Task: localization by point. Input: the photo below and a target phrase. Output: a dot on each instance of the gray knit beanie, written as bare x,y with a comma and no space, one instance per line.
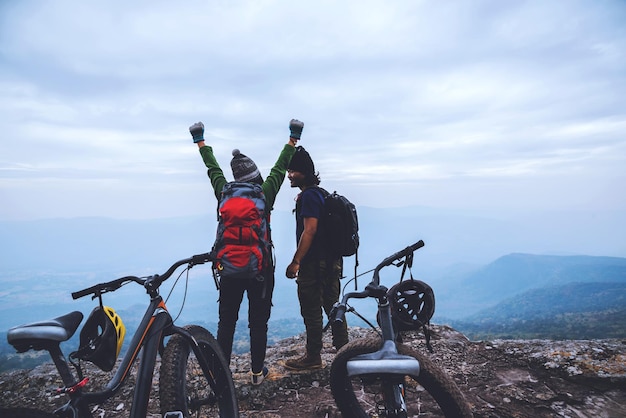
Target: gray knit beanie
244,169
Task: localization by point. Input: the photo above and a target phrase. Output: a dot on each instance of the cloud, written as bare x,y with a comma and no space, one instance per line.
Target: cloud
464,95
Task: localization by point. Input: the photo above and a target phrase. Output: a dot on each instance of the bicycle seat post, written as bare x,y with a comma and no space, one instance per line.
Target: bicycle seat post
61,364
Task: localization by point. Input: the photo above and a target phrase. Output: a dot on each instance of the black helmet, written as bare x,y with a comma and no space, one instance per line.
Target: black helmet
101,338
412,304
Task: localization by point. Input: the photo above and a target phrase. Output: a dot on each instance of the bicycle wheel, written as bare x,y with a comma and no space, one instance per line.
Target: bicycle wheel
182,385
432,393
23,413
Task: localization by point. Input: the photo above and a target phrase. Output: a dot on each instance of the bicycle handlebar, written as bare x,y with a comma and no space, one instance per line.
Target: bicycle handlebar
397,256
152,282
373,288
105,287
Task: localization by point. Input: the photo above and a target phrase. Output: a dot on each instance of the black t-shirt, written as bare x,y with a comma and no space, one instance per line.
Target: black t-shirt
310,204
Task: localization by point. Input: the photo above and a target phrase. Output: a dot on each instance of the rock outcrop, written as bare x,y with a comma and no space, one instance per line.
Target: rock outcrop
501,378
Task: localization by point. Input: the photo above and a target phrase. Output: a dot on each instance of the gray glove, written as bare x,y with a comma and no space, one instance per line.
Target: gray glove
197,132
295,126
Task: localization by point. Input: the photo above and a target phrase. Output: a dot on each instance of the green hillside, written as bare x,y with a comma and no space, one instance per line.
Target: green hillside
572,311
511,275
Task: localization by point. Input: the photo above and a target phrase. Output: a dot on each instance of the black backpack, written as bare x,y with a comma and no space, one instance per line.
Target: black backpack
340,225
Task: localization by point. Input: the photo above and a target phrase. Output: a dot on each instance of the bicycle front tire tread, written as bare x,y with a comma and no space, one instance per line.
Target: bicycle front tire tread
173,374
432,378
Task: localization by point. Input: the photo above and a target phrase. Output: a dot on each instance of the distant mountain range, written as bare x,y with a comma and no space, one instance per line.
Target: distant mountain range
530,296
482,281
512,275
583,298
454,239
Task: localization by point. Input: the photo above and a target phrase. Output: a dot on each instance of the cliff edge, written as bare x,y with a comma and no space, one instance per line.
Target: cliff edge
500,378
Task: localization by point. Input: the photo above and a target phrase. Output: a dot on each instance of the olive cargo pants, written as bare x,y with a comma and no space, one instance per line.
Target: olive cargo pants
319,288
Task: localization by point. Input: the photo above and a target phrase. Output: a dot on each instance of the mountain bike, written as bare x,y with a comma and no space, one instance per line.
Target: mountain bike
195,379
380,376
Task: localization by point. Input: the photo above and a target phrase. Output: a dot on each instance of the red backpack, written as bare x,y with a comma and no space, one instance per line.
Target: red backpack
242,245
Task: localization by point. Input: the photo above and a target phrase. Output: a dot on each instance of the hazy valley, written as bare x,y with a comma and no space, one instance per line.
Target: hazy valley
492,276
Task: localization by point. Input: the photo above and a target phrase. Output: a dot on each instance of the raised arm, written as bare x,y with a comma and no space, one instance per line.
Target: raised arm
216,175
274,180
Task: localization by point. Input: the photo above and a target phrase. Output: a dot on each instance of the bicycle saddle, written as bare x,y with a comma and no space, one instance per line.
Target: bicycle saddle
385,360
38,335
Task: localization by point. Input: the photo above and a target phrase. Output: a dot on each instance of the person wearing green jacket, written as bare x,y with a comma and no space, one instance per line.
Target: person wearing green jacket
259,293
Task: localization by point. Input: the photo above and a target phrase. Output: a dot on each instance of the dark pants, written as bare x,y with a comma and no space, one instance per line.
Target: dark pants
319,288
259,308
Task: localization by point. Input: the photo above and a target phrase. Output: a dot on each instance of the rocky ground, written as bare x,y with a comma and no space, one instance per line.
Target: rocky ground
502,378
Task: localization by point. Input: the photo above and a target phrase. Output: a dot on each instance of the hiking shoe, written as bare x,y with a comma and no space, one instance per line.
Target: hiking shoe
306,362
257,378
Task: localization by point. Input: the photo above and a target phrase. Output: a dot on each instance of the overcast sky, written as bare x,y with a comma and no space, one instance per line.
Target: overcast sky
458,104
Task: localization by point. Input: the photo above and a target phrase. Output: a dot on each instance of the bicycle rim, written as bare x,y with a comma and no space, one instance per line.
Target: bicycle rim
183,386
431,394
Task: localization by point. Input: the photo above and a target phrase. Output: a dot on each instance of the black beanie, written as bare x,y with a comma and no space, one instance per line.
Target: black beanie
302,162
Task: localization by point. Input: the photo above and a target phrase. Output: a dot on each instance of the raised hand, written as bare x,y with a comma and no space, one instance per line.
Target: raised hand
197,132
295,126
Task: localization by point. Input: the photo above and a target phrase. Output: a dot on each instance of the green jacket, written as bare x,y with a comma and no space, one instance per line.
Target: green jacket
270,186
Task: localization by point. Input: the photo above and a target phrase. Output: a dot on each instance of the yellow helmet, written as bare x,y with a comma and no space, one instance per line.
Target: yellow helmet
101,338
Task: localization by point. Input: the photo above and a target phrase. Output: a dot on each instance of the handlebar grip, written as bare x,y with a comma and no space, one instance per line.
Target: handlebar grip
201,258
402,253
79,294
340,315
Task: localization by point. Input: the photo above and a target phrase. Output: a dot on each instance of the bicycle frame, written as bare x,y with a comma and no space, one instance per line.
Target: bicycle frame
386,361
156,324
383,376
149,336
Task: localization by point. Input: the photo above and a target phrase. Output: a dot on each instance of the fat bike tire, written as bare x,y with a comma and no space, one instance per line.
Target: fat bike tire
24,413
183,386
432,393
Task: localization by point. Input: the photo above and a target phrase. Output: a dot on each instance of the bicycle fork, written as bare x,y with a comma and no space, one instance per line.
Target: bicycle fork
388,365
204,362
393,397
